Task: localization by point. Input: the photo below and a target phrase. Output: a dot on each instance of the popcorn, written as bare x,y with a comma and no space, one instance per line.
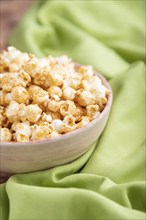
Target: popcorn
40,132
55,78
23,131
67,107
37,69
63,60
47,117
19,94
22,112
55,92
3,117
8,81
92,111
84,97
25,77
53,106
94,85
12,111
37,94
5,135
79,113
33,113
13,60
75,80
72,80
69,93
85,120
69,123
54,134
2,97
42,98
54,115
8,98
14,125
69,120
87,72
57,125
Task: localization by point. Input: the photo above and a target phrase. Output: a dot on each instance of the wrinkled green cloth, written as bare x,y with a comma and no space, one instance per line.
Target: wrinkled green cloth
108,182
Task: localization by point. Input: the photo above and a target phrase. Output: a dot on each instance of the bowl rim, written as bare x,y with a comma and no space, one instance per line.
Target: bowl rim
72,133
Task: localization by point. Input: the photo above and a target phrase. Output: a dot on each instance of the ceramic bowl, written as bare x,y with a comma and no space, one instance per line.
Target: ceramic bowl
19,157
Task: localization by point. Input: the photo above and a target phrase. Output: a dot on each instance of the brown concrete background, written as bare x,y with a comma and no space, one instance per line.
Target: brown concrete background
11,12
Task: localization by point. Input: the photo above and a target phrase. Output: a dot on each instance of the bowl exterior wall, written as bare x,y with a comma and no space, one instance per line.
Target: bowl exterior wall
49,154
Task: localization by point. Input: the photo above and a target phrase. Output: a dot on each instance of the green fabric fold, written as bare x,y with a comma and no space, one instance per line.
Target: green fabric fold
107,182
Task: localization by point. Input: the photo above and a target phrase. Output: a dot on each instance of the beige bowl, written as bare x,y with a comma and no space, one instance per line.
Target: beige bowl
39,155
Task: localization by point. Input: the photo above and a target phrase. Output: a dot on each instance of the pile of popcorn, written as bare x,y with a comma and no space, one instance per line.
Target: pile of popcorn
41,98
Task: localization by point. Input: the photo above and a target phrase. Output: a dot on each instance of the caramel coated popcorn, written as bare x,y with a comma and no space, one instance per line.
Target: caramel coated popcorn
43,98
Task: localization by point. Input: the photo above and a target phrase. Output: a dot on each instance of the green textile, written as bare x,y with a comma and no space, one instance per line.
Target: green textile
108,182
